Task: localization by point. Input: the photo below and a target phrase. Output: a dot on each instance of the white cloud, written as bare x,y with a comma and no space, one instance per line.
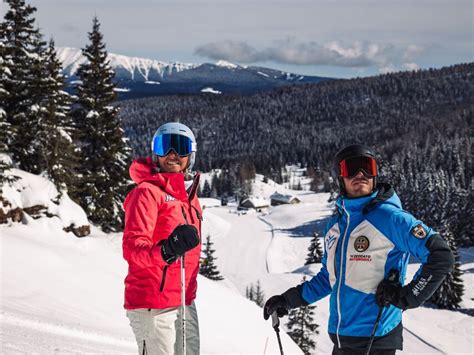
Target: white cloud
358,54
411,66
412,52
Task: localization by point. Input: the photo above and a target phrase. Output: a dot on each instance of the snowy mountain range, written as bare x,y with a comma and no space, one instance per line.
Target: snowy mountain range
138,77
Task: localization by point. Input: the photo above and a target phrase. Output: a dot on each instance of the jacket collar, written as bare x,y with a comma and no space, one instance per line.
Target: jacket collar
365,204
143,169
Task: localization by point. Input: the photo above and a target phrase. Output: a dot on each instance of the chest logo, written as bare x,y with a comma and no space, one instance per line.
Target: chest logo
361,244
169,198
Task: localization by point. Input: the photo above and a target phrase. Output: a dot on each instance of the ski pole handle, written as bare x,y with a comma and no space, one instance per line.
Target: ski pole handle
275,320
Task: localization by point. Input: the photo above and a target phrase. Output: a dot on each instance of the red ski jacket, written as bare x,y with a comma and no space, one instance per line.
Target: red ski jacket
156,206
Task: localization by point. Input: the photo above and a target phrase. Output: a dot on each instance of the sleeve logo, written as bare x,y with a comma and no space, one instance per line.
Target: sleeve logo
419,232
361,244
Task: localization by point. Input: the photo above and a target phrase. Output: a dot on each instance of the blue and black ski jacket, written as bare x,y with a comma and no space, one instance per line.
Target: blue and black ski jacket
363,242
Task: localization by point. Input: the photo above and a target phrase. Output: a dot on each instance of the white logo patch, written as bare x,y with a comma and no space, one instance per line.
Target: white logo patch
169,198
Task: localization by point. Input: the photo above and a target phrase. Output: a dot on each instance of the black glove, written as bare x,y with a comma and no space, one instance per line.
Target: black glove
390,291
275,304
183,238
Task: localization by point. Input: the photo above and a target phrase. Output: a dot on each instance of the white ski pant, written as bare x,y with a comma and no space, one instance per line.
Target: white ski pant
158,331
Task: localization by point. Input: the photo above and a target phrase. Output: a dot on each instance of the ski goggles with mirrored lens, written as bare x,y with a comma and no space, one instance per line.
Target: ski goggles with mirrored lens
164,143
351,166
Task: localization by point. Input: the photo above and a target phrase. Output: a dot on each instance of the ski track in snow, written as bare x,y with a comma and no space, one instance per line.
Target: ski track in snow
24,335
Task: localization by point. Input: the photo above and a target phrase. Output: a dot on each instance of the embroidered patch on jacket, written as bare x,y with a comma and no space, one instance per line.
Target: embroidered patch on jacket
419,232
169,198
330,242
361,243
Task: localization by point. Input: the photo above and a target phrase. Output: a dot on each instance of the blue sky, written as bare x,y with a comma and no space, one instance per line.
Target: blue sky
338,38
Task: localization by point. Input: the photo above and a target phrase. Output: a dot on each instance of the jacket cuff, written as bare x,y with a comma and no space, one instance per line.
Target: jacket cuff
160,255
293,297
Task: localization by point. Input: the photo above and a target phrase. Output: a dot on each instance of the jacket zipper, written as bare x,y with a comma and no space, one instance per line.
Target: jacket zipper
197,213
199,216
184,214
340,275
165,270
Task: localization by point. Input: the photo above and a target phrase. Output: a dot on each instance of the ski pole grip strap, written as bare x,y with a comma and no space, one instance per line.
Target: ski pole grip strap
293,297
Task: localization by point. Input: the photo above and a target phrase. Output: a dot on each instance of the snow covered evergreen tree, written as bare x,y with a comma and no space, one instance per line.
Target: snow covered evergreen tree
38,131
249,292
58,152
259,295
315,254
5,126
255,293
21,56
208,268
105,155
301,327
206,190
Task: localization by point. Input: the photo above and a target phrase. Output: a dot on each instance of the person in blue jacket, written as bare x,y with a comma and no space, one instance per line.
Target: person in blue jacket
367,246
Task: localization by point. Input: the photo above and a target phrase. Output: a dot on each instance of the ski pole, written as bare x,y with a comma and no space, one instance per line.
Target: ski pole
276,324
183,305
377,321
393,276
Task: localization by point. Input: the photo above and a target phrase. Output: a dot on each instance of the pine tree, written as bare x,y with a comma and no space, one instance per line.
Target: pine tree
206,190
315,254
259,295
56,146
5,126
105,155
255,293
301,327
208,268
38,133
22,55
449,294
249,292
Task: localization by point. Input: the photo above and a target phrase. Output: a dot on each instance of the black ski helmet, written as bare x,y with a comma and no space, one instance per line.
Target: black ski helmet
351,151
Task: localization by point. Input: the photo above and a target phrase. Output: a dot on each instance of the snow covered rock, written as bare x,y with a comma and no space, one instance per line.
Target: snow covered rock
30,196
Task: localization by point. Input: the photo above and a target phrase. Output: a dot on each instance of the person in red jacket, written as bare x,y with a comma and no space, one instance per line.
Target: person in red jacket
162,228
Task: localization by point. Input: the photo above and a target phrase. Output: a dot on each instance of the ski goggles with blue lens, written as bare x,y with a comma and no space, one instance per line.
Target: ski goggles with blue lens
164,143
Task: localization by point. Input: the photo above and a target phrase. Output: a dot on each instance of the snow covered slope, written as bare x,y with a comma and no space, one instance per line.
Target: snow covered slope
62,294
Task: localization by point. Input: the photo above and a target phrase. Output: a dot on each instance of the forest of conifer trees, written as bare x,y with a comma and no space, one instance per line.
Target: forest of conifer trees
420,124
76,141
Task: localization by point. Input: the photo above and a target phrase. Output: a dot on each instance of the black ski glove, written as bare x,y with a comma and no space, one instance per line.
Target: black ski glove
390,291
183,238
275,304
289,299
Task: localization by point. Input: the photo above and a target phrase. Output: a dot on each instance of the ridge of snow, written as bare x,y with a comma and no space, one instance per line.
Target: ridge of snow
226,64
134,68
211,91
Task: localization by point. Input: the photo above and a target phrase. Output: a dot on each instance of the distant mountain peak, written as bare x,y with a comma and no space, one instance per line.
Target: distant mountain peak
226,64
138,77
126,68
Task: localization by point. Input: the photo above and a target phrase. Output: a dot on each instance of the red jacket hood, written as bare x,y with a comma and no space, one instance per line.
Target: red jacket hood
142,170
